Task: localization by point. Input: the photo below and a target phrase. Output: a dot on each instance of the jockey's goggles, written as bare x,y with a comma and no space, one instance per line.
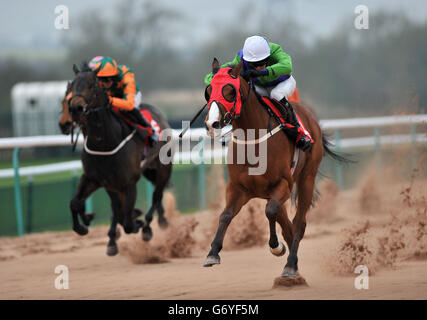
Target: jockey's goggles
106,79
258,63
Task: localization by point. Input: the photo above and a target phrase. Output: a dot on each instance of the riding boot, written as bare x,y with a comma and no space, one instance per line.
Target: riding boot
154,137
302,140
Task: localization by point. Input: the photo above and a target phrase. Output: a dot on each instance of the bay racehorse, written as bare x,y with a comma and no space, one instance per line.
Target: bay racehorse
113,158
231,99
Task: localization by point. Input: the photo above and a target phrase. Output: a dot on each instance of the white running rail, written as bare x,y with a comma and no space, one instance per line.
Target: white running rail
200,133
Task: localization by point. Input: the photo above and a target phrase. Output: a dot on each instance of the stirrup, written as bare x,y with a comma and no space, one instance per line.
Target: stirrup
304,143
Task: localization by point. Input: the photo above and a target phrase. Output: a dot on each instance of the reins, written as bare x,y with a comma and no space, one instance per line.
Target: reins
265,137
87,111
108,153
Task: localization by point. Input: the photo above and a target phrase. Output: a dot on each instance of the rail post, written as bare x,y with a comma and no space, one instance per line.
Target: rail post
202,176
338,167
377,134
413,146
30,205
89,204
18,197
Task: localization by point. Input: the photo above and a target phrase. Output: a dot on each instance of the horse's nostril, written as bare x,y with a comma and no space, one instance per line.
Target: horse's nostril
216,125
74,109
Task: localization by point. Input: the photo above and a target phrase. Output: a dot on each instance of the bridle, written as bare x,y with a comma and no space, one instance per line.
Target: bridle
86,110
230,115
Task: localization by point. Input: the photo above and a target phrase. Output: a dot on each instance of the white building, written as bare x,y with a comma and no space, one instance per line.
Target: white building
36,107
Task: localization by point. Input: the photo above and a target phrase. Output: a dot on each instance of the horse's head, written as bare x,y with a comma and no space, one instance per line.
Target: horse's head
223,96
86,94
66,122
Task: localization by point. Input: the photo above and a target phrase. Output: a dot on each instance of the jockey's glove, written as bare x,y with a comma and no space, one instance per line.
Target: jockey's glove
254,73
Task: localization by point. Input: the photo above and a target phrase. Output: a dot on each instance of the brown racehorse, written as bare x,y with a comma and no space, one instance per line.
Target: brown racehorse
275,185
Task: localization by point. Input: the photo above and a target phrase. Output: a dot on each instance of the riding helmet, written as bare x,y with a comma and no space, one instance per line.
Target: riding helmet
108,66
256,48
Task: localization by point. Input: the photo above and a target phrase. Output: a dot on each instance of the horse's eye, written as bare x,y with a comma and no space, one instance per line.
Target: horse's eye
229,93
208,92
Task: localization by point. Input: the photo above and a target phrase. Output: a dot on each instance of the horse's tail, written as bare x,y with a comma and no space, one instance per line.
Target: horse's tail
340,157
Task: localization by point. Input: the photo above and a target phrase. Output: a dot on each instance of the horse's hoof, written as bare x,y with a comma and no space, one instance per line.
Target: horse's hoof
163,223
279,250
289,272
88,218
211,260
81,230
112,250
289,282
147,233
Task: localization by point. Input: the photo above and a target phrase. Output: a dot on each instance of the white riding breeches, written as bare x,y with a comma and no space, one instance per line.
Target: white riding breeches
282,89
138,99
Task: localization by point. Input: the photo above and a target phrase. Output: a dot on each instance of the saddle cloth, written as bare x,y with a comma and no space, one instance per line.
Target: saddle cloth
149,117
272,107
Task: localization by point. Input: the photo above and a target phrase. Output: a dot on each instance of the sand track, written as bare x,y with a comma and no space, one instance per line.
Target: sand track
387,233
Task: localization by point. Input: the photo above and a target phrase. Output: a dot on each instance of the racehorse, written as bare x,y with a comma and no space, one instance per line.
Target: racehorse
113,158
65,122
236,102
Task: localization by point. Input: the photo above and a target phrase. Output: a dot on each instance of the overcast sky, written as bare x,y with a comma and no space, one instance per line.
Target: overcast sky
30,24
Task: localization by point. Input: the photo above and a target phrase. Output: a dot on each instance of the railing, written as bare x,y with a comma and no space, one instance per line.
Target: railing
199,134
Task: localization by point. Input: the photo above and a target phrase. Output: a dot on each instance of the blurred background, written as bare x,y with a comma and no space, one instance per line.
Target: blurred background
341,71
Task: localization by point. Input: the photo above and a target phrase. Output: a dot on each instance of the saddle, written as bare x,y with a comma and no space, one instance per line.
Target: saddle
273,107
143,131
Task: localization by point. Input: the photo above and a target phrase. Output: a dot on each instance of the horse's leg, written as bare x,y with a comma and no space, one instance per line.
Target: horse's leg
128,198
160,180
147,233
236,199
77,205
163,178
157,200
305,195
156,203
286,225
274,206
113,233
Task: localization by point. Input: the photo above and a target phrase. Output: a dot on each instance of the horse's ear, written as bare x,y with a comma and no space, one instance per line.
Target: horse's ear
236,70
215,65
75,69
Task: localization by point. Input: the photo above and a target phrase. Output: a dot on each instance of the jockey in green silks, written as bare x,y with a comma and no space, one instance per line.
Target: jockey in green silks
271,70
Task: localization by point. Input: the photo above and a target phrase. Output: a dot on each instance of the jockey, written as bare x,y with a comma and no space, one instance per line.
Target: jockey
271,70
122,89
